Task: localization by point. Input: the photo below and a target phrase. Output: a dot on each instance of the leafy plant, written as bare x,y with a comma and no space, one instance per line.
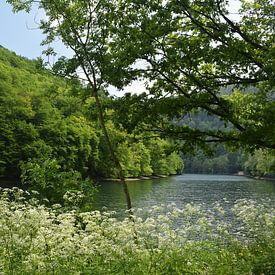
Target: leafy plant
55,186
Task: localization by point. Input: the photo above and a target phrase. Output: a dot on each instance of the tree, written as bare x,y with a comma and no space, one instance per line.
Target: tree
261,163
83,26
40,118
197,57
194,57
45,118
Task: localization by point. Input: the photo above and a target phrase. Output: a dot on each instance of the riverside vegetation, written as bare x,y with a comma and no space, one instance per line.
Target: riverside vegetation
50,135
35,239
56,131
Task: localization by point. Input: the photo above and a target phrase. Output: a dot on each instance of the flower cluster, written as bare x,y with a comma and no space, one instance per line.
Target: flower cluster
164,240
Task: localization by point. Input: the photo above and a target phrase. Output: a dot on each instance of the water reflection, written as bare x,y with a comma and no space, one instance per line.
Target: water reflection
183,189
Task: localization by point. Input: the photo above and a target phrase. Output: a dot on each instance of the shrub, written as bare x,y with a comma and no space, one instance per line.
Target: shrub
167,240
51,183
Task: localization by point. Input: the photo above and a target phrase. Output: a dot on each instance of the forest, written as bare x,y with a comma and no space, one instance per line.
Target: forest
49,125
46,118
208,108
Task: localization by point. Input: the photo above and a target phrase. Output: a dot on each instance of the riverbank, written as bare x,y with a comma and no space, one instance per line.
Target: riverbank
262,178
241,173
134,178
9,183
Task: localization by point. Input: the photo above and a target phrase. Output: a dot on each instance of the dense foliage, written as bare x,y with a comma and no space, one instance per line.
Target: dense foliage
190,240
261,163
196,59
188,52
191,53
222,162
45,119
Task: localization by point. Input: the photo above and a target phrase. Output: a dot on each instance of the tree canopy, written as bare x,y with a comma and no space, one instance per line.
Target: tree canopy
194,56
198,57
50,135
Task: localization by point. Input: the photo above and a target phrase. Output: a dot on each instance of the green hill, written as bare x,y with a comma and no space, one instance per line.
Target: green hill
44,117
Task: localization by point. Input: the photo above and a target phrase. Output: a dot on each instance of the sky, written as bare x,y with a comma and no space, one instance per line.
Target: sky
19,32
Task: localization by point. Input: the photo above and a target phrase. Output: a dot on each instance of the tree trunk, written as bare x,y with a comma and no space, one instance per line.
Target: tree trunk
112,152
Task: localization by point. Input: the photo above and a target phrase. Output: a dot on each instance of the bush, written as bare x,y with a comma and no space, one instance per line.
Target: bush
39,240
51,183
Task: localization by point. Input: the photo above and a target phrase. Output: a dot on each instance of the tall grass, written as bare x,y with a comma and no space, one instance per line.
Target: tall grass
164,240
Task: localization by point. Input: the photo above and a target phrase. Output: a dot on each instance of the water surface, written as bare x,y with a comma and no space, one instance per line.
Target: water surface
184,189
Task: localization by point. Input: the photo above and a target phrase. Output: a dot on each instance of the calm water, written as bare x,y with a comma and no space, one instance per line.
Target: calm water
184,189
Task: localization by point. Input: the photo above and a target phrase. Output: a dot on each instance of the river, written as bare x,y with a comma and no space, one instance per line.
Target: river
187,188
